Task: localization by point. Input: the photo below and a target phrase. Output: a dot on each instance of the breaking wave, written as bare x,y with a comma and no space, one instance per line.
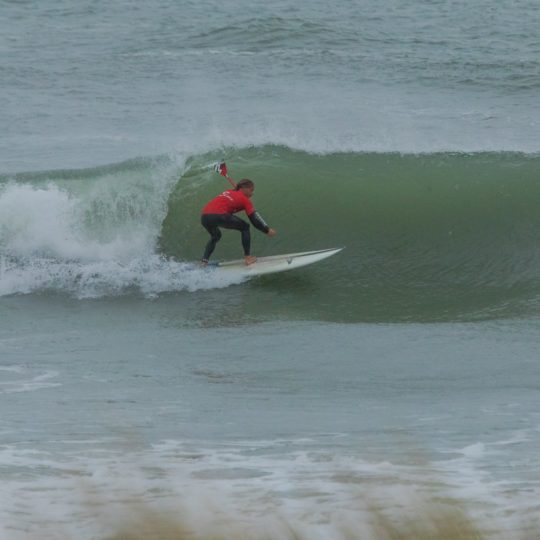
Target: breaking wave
428,236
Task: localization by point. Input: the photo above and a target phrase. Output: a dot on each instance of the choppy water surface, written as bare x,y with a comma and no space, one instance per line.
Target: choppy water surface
388,392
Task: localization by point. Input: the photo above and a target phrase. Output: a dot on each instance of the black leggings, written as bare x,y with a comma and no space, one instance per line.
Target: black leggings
212,222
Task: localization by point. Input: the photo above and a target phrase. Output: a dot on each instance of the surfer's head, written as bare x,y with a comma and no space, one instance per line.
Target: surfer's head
246,186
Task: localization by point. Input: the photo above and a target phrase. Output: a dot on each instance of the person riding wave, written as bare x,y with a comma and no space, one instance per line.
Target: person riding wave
219,212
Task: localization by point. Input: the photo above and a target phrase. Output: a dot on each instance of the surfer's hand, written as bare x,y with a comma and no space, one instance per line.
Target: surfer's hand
271,232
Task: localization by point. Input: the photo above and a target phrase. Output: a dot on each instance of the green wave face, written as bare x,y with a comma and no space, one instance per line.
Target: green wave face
427,237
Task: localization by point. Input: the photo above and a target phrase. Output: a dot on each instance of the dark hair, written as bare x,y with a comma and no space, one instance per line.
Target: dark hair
245,182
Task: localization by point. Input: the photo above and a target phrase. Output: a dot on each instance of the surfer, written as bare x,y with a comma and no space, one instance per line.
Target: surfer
219,212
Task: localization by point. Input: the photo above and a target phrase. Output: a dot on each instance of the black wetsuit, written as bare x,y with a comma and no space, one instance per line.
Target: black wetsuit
212,222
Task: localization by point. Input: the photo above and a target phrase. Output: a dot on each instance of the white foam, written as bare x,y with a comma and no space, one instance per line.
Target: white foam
37,220
476,450
319,493
36,382
50,222
149,275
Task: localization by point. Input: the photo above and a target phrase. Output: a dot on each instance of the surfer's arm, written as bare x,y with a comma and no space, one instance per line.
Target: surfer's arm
258,222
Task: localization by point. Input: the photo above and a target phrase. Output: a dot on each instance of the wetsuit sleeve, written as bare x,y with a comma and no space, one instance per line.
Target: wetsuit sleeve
258,222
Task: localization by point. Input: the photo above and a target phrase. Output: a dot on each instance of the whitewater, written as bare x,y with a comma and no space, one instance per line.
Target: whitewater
388,392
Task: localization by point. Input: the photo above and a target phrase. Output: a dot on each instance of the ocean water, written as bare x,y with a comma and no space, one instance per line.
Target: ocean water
390,392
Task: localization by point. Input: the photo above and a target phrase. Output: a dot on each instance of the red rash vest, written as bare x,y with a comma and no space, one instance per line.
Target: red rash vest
229,202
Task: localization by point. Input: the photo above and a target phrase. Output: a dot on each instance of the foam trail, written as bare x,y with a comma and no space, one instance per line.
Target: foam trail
150,276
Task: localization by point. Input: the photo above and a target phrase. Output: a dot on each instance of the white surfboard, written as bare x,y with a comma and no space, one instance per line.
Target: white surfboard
274,263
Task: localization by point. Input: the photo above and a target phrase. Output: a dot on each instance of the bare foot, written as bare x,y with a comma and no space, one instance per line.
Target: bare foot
249,259
204,263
